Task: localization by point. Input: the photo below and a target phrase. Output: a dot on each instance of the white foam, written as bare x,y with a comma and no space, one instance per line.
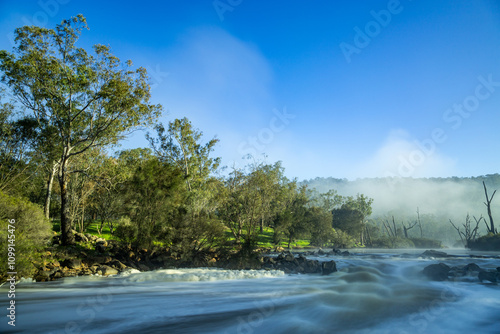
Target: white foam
200,274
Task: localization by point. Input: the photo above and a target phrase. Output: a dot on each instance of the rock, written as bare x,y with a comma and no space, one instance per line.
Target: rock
498,269
289,257
336,251
437,272
42,276
433,253
345,253
81,237
72,263
100,245
57,274
492,276
321,252
279,249
101,259
311,267
328,267
107,270
117,265
143,267
472,267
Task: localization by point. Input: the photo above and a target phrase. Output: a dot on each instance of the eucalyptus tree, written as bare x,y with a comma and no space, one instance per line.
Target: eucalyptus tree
91,100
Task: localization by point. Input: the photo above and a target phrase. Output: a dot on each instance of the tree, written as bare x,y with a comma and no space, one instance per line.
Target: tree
292,221
491,228
153,198
90,100
347,219
362,205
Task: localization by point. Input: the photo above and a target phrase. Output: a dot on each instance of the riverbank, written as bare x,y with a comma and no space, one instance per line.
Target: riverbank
94,256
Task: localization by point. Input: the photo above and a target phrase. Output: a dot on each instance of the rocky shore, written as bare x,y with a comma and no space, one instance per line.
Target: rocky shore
96,256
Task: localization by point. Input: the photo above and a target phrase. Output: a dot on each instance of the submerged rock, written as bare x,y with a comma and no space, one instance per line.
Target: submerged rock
492,276
434,253
328,267
437,272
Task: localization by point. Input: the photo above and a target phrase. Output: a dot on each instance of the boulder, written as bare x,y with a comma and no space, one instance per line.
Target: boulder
437,272
472,267
107,270
100,245
72,263
311,267
143,267
321,252
117,265
434,253
81,237
328,267
492,276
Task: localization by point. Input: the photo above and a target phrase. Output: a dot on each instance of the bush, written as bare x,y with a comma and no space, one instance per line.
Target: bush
341,239
32,232
126,231
489,242
393,242
426,243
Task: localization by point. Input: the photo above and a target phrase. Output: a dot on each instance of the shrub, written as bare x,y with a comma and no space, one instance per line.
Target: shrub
489,242
126,231
32,232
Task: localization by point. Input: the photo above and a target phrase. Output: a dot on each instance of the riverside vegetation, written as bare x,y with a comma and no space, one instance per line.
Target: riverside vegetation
62,110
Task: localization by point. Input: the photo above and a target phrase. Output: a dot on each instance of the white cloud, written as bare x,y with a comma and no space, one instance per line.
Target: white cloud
401,155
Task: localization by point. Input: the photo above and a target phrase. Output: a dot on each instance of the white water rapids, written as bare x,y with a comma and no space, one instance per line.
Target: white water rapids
373,292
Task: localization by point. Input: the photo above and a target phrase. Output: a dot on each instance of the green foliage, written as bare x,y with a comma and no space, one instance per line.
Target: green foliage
348,220
426,243
126,231
91,100
340,239
32,232
489,242
153,199
320,226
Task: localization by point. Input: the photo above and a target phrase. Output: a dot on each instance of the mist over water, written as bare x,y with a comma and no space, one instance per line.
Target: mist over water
373,292
439,199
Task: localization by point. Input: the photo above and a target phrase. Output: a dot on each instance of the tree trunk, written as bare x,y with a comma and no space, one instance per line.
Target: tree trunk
50,182
491,229
262,225
67,237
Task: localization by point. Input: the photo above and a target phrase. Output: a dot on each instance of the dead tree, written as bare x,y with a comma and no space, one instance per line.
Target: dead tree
419,223
388,228
491,228
406,229
469,234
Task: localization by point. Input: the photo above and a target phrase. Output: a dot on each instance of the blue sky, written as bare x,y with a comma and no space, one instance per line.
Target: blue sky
331,88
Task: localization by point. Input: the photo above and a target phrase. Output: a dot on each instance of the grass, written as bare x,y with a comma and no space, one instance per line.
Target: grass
264,240
92,229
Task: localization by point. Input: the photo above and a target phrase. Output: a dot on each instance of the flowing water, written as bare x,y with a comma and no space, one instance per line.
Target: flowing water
373,292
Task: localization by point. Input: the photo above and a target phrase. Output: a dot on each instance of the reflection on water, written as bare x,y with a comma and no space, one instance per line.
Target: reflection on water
374,292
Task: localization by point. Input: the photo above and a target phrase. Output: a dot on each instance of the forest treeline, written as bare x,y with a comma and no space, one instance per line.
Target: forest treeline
63,111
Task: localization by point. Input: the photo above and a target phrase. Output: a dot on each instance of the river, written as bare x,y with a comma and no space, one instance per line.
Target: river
374,291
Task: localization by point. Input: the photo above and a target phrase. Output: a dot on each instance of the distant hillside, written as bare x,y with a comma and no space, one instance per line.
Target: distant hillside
451,197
